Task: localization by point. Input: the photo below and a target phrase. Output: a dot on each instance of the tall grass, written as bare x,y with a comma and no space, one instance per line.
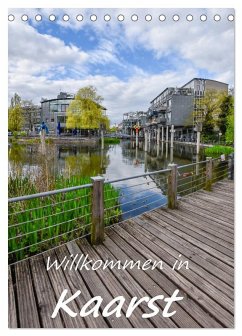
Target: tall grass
111,141
218,150
41,223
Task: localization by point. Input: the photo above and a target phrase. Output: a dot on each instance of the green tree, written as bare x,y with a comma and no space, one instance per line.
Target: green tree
15,118
229,135
89,93
227,109
208,109
85,110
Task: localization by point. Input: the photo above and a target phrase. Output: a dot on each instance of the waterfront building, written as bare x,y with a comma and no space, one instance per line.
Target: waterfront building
173,106
54,114
132,119
53,111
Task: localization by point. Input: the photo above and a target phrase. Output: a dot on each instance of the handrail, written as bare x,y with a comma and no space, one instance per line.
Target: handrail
48,193
137,176
89,185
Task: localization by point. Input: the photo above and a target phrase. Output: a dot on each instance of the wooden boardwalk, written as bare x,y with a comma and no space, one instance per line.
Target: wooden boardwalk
201,230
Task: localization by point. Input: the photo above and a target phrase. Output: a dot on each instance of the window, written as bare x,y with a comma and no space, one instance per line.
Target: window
64,107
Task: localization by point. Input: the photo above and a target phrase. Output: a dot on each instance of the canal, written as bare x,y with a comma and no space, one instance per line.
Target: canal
113,162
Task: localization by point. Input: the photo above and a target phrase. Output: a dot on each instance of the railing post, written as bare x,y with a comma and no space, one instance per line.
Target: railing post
172,186
231,167
209,173
97,202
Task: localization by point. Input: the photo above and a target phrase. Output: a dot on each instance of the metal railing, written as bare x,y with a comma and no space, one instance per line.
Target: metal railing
42,221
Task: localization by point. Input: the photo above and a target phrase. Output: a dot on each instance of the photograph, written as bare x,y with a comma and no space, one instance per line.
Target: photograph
121,153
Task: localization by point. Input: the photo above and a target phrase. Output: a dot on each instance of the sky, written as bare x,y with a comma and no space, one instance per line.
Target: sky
128,62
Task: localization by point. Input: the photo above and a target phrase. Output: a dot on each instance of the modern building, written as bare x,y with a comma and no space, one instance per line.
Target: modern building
199,86
53,111
54,114
174,106
131,119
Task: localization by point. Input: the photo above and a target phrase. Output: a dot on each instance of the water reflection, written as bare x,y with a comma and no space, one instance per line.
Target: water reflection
114,161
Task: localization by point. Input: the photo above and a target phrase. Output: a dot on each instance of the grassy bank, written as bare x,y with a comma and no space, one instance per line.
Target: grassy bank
46,222
111,141
218,150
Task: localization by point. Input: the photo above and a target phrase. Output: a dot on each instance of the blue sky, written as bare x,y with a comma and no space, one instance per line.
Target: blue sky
129,63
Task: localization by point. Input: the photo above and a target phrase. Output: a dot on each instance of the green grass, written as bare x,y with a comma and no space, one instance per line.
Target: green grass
48,217
111,141
218,150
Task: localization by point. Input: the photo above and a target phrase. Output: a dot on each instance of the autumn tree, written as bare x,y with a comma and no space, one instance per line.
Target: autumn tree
85,111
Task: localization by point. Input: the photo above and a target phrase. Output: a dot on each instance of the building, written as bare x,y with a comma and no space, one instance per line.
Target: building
54,114
53,111
132,119
199,86
174,106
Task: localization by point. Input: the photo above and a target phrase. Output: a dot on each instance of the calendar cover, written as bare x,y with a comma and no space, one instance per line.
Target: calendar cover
121,168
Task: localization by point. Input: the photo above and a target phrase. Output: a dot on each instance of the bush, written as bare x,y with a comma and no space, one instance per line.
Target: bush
111,141
218,150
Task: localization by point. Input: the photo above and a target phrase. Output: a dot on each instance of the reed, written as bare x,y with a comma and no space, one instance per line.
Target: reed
38,224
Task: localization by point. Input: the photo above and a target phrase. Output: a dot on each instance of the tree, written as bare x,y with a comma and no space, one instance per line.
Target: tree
229,135
209,109
227,109
15,118
85,110
30,112
15,100
89,93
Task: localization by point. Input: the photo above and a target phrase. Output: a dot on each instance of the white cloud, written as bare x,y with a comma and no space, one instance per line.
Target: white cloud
35,59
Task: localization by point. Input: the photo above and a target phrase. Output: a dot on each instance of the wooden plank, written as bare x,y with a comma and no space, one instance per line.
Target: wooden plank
191,242
193,238
155,283
45,298
193,233
188,304
198,265
74,280
12,311
198,226
59,283
220,209
216,310
128,278
168,257
228,195
228,190
184,204
97,288
217,208
114,287
216,197
27,307
221,231
204,213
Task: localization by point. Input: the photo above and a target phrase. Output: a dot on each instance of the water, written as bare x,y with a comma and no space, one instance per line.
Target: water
113,162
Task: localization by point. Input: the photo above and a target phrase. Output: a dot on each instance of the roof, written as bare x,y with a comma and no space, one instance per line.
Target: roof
206,79
170,87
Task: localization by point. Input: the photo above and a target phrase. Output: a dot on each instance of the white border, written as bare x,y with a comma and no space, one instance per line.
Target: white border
3,154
